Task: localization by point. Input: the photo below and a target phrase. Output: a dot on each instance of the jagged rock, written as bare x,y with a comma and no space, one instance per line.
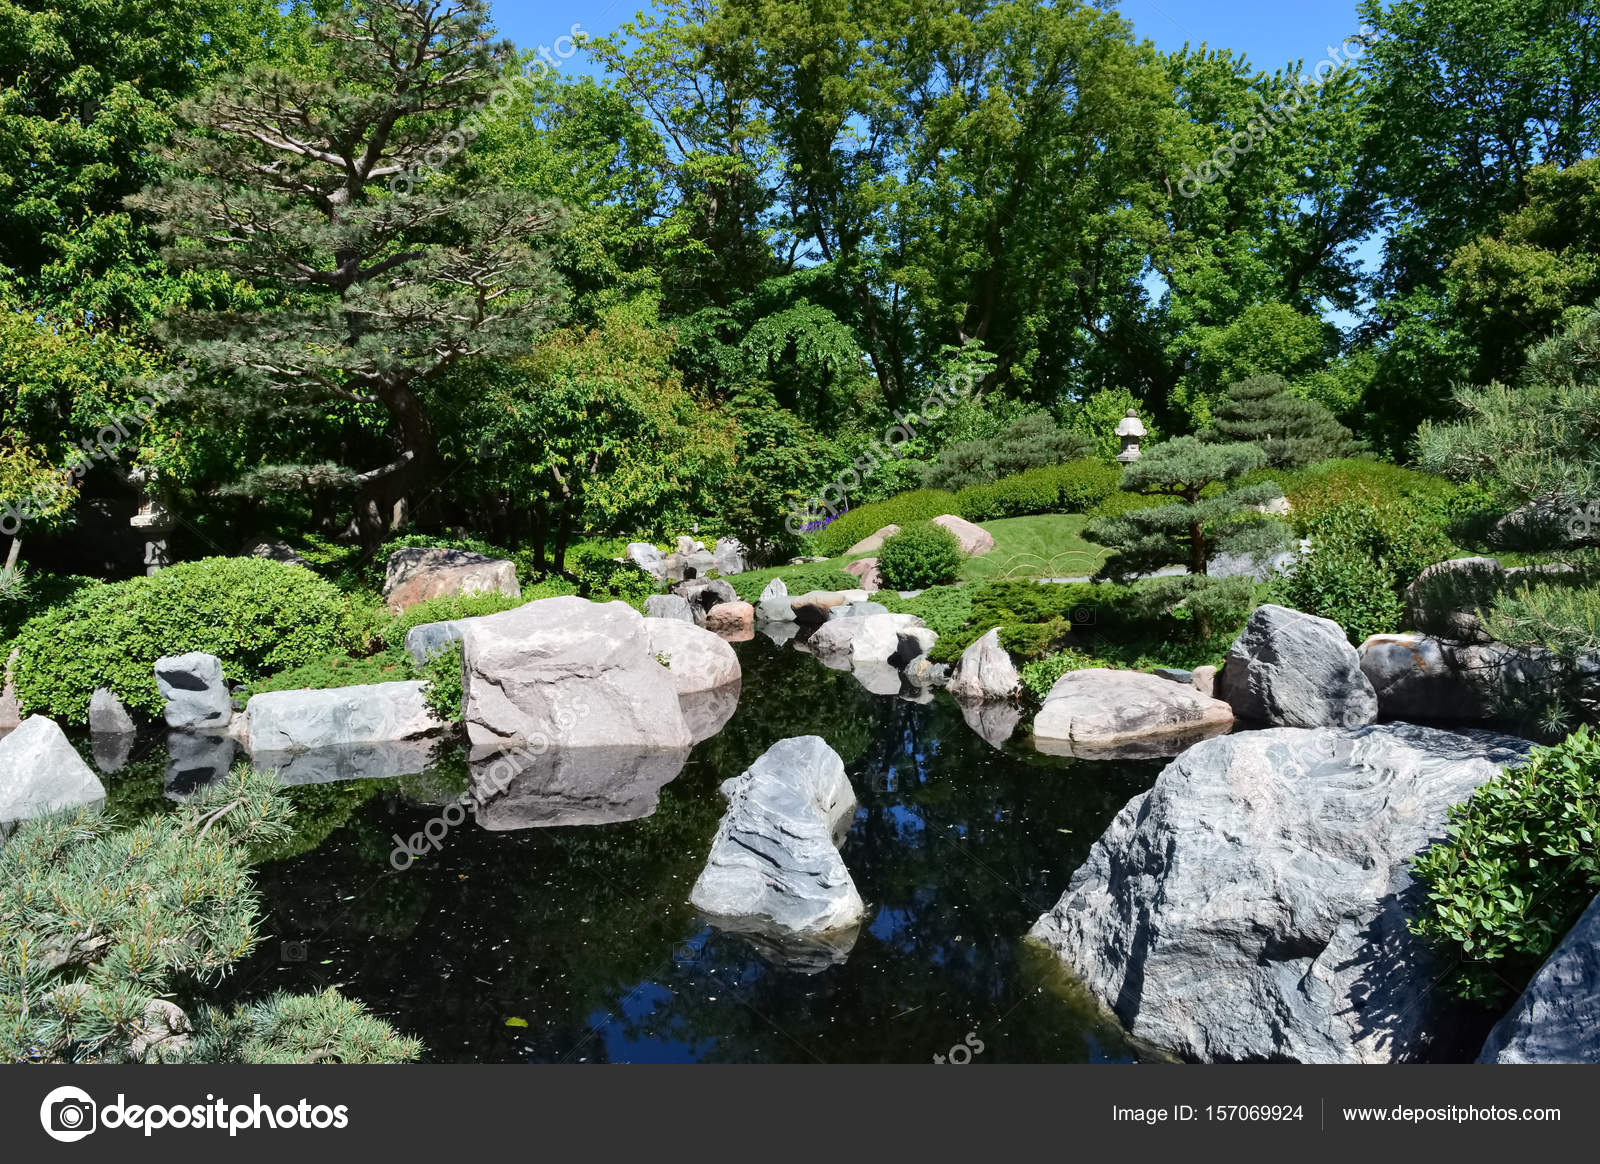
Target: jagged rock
866,569
873,542
774,862
1102,714
857,610
337,717
1175,675
567,672
984,672
1445,598
41,773
570,786
107,715
1557,1019
702,594
728,556
673,606
775,589
1416,677
416,574
278,552
696,657
994,721
197,698
1205,681
974,539
733,620
774,605
1292,669
649,559
428,638
1254,904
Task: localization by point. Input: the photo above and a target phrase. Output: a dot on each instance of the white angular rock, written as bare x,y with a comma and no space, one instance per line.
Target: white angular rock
649,559
567,672
775,860
985,672
369,713
40,773
668,606
728,556
107,715
1254,904
1103,714
698,659
196,697
1292,669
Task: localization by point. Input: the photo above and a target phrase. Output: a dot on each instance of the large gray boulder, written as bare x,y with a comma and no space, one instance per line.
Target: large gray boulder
1291,669
41,773
1419,678
649,559
775,862
1557,1019
417,574
1254,904
985,672
337,717
673,606
567,672
698,659
1097,713
197,698
429,638
108,716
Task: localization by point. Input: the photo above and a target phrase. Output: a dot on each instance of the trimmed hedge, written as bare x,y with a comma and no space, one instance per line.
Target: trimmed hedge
1075,487
907,509
919,556
799,579
257,616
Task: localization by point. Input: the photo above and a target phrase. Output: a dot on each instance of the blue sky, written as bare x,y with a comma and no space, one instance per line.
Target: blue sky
1270,32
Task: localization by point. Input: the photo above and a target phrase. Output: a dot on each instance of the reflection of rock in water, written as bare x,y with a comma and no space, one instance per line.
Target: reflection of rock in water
803,954
780,632
570,786
1149,748
878,678
375,761
112,751
707,712
194,760
995,722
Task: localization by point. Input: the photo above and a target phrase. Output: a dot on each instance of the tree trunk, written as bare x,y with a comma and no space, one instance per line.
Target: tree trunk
1197,548
12,554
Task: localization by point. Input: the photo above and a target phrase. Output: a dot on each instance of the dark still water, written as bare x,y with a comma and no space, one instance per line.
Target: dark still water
577,944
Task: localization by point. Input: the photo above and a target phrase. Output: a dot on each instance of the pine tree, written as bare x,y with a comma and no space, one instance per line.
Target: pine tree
320,184
1191,528
1290,429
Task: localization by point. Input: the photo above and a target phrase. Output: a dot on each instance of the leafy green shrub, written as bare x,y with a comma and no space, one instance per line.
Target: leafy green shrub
1040,675
799,579
1071,488
337,671
447,608
1345,584
920,555
1375,484
258,616
1404,539
908,508
97,921
445,690
603,579
944,609
1519,866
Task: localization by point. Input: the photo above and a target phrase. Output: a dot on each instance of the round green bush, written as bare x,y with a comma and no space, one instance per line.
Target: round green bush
257,616
1343,583
919,556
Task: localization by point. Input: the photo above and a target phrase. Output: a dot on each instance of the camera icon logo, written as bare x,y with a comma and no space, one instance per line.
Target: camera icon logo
68,1114
292,951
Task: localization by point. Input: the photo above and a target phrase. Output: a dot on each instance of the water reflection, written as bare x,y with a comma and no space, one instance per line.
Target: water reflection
570,786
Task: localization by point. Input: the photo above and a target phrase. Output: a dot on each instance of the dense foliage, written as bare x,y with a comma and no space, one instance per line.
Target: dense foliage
1518,867
1291,430
1071,488
919,556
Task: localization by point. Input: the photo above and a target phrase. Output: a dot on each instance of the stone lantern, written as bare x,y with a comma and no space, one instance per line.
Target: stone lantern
153,519
1129,430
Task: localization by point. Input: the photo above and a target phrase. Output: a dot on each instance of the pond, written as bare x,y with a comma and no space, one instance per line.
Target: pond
577,943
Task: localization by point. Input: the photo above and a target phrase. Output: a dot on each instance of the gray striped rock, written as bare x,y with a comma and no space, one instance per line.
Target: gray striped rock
1291,669
1557,1019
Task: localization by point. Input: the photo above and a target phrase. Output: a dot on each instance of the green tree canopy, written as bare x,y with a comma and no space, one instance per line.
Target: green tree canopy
1291,430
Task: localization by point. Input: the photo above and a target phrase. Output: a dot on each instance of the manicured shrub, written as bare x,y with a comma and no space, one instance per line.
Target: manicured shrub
799,579
920,555
1519,866
1317,488
258,616
849,528
1118,503
1346,584
603,580
945,609
1029,442
1071,488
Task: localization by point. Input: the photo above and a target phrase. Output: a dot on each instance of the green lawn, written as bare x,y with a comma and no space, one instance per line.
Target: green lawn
1049,545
